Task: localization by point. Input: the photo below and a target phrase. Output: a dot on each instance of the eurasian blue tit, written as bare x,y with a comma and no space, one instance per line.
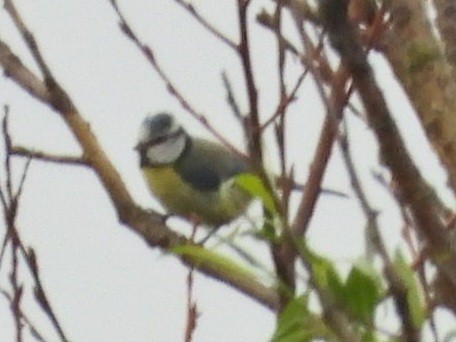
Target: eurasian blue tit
190,176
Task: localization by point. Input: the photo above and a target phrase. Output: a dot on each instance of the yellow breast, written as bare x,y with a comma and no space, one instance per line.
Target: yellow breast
182,199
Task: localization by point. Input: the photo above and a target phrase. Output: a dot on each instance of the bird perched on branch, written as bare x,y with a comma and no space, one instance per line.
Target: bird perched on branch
191,177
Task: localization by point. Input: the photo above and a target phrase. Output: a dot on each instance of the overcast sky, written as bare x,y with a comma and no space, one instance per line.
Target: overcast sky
104,283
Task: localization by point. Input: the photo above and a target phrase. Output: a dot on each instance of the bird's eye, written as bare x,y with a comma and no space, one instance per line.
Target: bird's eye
159,140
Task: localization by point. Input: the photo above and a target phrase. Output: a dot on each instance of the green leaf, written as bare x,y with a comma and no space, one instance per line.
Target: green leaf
289,321
414,300
324,273
202,256
297,324
358,295
255,187
362,293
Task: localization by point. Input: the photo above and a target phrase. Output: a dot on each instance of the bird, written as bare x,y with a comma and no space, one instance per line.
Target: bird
190,176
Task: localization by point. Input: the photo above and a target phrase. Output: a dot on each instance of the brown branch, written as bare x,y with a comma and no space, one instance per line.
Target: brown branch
28,37
47,157
39,292
286,100
15,284
231,98
425,73
12,198
192,311
284,270
253,124
16,70
148,225
335,105
415,192
33,329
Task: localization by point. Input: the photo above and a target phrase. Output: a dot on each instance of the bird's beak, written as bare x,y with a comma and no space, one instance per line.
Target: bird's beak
138,147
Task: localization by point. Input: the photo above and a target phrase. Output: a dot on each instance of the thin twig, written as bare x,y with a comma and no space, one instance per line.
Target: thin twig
31,42
208,26
7,162
231,98
17,287
40,294
48,157
33,329
12,199
286,100
192,311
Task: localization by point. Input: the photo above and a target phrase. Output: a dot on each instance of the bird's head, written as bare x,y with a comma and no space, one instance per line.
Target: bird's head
161,140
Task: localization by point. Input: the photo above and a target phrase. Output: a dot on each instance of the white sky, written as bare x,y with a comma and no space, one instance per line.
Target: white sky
104,283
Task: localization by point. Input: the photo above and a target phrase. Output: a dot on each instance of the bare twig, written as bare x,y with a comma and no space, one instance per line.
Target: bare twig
208,26
32,45
12,198
47,157
231,98
308,201
286,100
253,123
15,284
192,311
7,140
33,329
40,294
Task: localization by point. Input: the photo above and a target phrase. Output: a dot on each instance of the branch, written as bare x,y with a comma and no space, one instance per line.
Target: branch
11,198
253,124
33,330
425,73
230,97
415,192
148,225
285,101
47,157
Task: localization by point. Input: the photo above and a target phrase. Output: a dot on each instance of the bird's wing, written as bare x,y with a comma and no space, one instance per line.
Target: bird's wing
206,165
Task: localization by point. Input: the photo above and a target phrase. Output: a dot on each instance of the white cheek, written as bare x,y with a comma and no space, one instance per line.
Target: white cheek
143,134
166,152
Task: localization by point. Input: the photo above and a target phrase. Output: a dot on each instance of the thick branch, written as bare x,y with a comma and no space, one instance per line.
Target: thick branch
415,193
413,51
